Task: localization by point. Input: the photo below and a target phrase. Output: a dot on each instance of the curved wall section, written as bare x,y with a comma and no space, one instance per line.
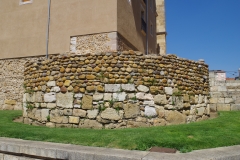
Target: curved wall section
115,90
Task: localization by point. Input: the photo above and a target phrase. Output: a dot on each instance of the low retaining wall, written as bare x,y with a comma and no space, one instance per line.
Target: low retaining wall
115,90
225,95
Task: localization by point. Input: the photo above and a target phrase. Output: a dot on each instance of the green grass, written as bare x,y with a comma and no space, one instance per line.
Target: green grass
222,131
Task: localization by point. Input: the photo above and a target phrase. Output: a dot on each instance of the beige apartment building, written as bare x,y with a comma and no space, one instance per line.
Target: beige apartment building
32,29
40,27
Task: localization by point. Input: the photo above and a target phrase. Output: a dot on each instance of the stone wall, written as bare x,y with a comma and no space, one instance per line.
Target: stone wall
225,95
11,82
104,42
161,26
115,90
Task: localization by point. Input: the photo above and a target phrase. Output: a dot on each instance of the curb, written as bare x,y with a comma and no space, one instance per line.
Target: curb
28,150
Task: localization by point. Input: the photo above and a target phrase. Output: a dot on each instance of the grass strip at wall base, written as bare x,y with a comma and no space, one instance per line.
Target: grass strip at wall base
218,132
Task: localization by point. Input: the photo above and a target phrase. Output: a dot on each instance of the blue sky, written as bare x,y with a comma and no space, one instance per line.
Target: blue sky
205,29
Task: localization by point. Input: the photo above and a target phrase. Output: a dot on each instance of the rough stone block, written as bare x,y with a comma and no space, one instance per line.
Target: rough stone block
30,97
44,114
79,113
55,89
110,114
185,98
7,107
51,105
200,99
98,97
213,100
50,97
213,107
223,107
228,100
50,125
37,115
112,88
159,122
74,120
79,95
175,117
87,123
87,102
67,112
65,100
51,83
10,102
168,90
119,96
222,88
91,114
57,116
177,102
133,124
107,96
160,99
150,111
149,103
220,100
131,110
235,107
142,88
128,87
38,97
200,111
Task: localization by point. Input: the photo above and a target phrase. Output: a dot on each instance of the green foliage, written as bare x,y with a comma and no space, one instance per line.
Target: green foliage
134,98
118,109
130,81
186,137
111,102
28,90
101,108
48,118
101,76
29,105
152,81
179,93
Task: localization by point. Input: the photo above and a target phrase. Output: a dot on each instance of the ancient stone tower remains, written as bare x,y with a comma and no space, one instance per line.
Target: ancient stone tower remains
96,86
161,26
115,90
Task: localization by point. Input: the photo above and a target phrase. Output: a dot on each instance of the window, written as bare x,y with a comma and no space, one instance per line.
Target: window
25,2
143,22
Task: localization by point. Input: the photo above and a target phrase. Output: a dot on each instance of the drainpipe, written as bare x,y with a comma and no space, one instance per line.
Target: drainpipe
48,24
147,27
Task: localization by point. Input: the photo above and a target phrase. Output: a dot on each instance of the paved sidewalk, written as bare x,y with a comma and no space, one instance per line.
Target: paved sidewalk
75,152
